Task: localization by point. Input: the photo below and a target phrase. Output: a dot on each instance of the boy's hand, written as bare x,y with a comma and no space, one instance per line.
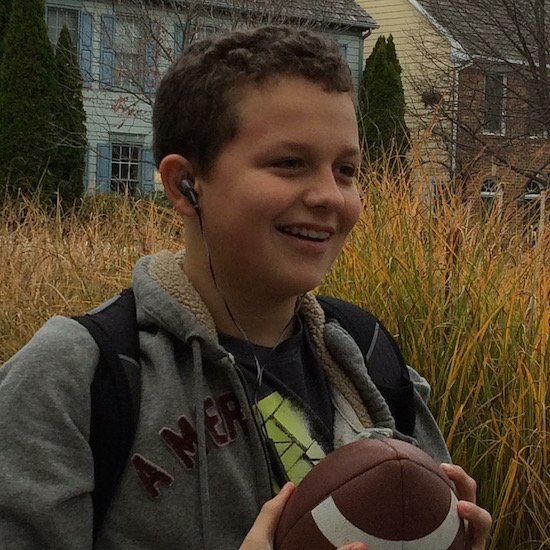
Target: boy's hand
478,521
260,536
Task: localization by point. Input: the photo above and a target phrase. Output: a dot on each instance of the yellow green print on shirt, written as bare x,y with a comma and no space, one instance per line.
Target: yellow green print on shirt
288,430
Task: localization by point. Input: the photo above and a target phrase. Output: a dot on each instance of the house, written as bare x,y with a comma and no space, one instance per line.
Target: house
474,73
426,87
125,46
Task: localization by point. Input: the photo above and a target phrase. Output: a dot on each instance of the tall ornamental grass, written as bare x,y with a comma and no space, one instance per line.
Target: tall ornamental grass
467,301
68,262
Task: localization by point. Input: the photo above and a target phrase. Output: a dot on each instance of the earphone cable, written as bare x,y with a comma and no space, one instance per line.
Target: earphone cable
259,367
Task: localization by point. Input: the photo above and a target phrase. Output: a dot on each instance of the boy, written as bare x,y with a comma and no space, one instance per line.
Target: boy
255,138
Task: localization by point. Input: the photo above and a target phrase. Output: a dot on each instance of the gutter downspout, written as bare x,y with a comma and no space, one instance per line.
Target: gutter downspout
454,132
458,54
459,62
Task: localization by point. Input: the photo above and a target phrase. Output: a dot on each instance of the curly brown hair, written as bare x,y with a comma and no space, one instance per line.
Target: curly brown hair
195,112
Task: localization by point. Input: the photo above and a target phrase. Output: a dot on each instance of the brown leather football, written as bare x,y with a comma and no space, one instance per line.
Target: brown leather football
383,492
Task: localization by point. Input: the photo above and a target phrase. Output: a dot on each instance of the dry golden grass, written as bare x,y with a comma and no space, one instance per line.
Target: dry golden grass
69,262
468,305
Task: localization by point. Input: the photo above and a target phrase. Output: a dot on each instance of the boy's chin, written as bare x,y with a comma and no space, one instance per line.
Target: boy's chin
304,286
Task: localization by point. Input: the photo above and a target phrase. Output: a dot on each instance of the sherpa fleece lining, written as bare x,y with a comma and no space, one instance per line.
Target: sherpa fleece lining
166,268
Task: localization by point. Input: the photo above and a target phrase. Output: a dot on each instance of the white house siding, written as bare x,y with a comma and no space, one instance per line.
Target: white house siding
120,116
352,45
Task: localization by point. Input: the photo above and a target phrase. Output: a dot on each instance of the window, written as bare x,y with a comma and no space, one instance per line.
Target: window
343,49
202,30
124,37
129,46
56,18
535,110
491,197
127,54
494,103
208,30
532,201
79,24
125,166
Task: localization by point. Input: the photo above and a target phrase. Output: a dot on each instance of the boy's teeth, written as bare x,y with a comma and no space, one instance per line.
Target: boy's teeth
307,233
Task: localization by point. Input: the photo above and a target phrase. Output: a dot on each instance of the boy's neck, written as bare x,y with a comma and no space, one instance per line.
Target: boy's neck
261,328
266,320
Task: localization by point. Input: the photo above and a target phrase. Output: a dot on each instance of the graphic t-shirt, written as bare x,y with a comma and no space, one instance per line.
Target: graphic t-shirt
292,397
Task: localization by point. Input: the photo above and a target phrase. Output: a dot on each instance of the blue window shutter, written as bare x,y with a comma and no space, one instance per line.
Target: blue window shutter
107,66
148,171
179,40
103,175
85,48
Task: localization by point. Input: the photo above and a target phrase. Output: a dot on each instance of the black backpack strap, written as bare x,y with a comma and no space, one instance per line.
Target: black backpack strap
115,395
385,362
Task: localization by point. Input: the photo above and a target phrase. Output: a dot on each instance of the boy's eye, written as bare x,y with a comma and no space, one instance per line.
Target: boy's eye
348,170
288,163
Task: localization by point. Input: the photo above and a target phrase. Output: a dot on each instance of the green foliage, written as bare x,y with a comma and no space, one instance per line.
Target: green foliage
28,99
5,7
68,163
382,125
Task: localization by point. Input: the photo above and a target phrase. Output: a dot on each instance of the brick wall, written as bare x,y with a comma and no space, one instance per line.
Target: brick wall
505,158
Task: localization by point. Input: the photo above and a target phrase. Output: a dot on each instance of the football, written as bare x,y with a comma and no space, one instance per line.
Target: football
386,493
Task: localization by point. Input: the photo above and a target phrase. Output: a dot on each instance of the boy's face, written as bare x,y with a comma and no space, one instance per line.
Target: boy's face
281,197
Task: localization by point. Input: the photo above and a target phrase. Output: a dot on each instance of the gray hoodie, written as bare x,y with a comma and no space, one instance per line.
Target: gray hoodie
193,481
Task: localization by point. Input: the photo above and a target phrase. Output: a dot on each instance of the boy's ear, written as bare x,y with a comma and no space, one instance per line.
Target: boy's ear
173,169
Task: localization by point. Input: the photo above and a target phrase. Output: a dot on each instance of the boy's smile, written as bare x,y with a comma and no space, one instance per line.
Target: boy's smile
281,197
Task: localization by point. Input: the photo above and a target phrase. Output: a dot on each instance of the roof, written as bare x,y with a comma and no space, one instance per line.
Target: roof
487,28
341,13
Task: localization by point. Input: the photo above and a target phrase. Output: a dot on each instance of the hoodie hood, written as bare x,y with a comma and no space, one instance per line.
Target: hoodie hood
162,288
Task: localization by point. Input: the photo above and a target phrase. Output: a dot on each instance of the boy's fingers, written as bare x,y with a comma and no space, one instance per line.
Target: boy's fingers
263,530
466,486
479,524
271,511
478,521
354,546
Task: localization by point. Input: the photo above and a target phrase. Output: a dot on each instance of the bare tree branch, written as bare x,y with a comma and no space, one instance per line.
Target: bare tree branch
508,39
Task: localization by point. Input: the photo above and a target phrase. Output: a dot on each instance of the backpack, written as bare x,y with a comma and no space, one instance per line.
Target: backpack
116,386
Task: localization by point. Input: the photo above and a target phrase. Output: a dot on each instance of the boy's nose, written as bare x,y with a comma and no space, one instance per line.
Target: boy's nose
324,191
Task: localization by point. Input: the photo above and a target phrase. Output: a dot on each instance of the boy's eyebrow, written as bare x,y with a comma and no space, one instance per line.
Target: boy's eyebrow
300,147
352,152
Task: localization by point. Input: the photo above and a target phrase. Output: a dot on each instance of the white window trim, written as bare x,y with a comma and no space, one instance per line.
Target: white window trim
541,197
542,135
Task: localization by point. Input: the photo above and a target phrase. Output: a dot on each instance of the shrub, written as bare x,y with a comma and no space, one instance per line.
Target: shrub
382,127
68,163
28,101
